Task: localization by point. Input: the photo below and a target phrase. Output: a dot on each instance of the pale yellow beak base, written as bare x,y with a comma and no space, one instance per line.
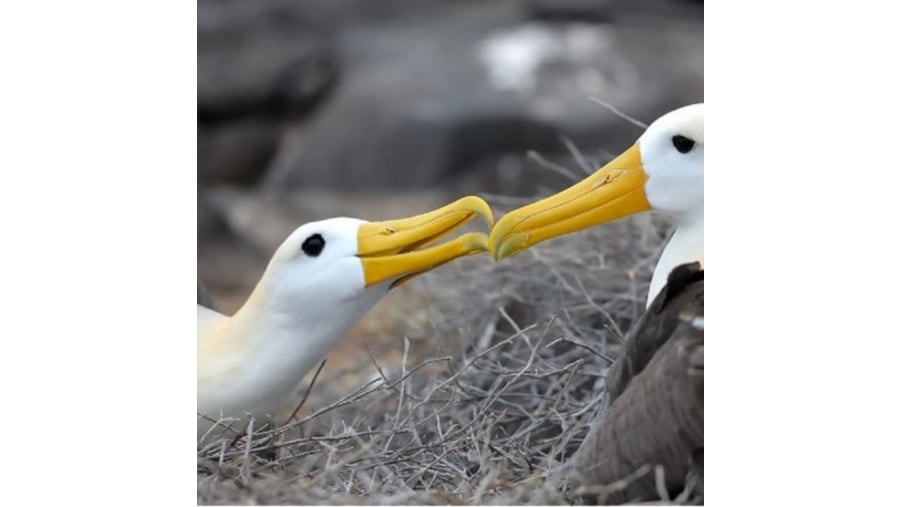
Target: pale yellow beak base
394,248
616,190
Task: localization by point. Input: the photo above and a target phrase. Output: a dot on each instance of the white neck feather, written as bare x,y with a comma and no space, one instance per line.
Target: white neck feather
685,246
253,361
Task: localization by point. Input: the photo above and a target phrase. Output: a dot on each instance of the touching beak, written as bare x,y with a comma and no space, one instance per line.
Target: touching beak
614,191
394,248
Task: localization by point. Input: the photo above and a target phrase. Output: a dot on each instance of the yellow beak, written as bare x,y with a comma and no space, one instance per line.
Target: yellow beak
614,191
394,248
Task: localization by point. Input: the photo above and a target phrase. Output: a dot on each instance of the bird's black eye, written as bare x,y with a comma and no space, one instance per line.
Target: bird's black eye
682,144
313,245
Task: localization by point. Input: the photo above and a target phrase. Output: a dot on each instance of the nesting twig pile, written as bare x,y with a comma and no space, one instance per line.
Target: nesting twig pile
493,420
492,425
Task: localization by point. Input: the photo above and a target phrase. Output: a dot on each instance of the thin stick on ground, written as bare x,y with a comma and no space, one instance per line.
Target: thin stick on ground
308,389
618,113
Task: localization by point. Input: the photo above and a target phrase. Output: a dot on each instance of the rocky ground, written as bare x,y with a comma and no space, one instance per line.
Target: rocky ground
381,109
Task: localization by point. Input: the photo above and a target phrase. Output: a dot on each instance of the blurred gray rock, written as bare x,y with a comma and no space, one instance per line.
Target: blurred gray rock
237,151
421,102
260,58
231,264
615,10
572,10
259,63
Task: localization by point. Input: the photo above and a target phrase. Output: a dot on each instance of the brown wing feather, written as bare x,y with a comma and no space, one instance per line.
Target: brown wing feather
655,326
656,394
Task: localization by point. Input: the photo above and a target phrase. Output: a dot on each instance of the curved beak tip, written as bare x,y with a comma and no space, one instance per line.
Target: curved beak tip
478,206
477,242
502,242
402,252
505,243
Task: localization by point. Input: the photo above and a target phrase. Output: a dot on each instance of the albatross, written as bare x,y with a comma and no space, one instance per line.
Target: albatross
655,388
320,281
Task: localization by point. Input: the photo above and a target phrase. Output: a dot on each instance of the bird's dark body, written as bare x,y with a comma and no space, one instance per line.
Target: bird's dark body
655,414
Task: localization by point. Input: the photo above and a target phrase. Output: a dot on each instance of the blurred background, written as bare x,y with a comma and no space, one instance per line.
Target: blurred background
378,109
309,109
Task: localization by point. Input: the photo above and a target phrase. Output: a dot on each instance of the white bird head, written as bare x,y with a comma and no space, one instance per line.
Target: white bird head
671,155
662,171
335,262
